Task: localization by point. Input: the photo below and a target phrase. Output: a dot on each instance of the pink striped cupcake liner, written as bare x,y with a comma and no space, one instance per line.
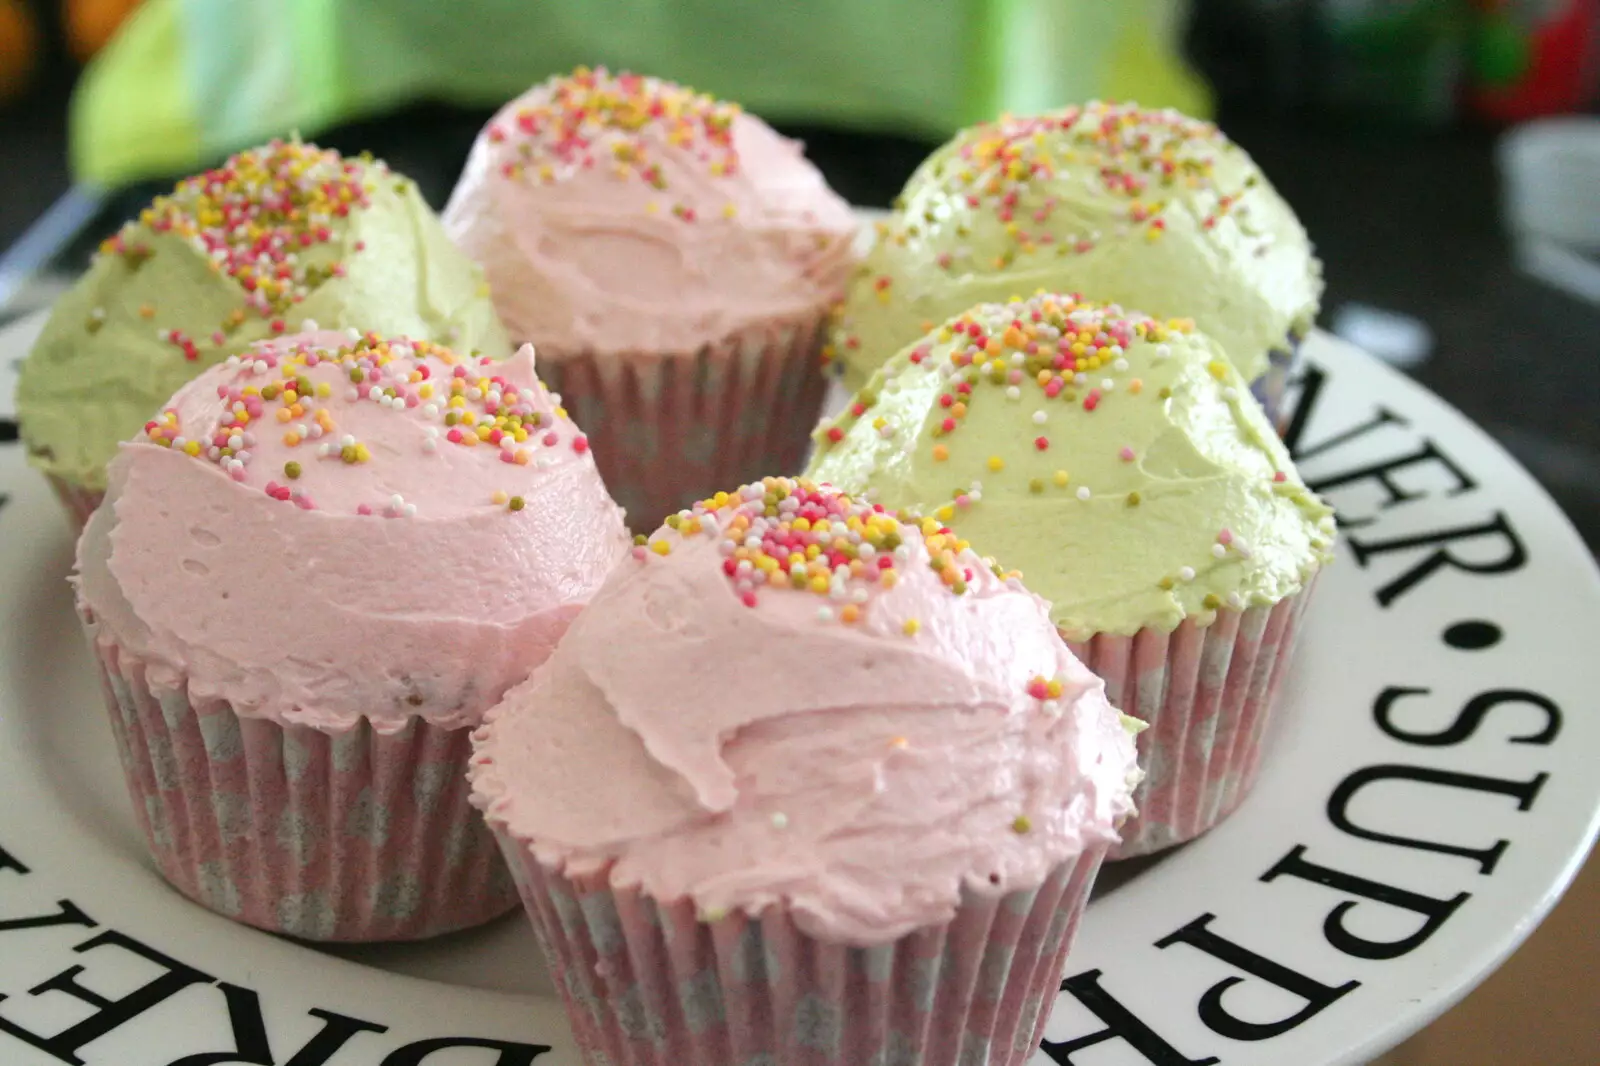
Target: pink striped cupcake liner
1207,693
669,429
79,502
652,984
356,836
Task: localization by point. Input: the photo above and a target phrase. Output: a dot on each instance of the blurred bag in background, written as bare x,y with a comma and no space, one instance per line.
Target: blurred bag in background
186,81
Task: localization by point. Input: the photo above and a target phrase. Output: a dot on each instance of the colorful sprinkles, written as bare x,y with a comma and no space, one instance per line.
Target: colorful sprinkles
460,400
789,533
594,120
1068,359
269,218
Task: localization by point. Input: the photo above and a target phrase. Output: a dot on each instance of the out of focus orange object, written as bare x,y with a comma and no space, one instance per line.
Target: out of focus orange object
89,24
19,47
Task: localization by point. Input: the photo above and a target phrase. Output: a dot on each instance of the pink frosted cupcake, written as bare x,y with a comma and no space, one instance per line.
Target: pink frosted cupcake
315,571
673,259
839,811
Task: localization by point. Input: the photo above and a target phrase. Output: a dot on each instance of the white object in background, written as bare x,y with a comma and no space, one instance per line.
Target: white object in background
1399,340
1550,170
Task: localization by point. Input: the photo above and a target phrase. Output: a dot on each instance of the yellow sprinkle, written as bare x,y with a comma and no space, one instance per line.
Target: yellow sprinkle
819,584
996,463
911,626
1021,824
661,547
1218,369
945,513
1061,479
499,497
1053,688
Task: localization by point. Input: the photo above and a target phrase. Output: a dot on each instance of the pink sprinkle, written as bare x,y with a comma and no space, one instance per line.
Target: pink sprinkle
363,509
640,552
748,599
1015,377
237,473
1225,537
549,439
1280,477
580,444
454,436
1127,454
1053,389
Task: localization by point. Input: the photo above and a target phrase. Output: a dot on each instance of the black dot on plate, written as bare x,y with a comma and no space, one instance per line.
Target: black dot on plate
8,431
1473,635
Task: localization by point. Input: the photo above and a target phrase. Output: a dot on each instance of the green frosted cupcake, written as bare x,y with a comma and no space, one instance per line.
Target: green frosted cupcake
274,237
1123,467
1149,209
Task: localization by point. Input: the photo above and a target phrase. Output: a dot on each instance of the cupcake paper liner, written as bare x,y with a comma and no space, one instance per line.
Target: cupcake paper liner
1207,693
669,429
651,984
79,502
358,836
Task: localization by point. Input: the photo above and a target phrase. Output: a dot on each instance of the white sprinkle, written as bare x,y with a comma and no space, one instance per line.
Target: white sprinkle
1218,551
411,510
824,614
1119,364
309,325
743,568
347,441
431,431
324,450
242,456
231,362
314,432
260,366
727,547
1235,600
1230,394
302,429
352,334
780,820
1080,378
1083,492
430,444
1186,573
1163,351
1040,418
753,543
1017,358
430,410
1013,393
708,523
1107,384
859,596
352,395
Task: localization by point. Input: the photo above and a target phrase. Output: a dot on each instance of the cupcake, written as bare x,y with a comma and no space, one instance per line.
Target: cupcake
674,261
807,783
313,573
1124,468
274,237
1148,209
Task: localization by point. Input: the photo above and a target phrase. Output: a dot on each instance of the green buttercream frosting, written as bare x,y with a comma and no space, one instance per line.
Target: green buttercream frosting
274,238
1147,209
1119,463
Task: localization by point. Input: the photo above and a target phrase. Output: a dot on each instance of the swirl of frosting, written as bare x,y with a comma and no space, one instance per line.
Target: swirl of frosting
620,213
1149,209
794,698
335,527
1118,462
241,253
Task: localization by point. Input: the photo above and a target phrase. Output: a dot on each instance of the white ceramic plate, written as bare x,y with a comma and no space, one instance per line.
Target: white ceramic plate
1428,794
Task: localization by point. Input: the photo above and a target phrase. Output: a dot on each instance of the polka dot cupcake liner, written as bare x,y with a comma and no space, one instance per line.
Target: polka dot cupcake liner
1272,387
358,836
1208,694
652,984
79,502
670,429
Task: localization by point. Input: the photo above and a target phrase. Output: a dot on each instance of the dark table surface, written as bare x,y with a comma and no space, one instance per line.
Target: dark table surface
1404,220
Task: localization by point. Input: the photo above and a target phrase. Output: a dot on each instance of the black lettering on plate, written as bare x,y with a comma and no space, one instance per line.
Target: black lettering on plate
8,431
1471,717
1313,380
10,862
250,1043
109,1013
1434,912
1512,557
1381,473
1217,1018
511,1054
67,913
1524,792
1121,1024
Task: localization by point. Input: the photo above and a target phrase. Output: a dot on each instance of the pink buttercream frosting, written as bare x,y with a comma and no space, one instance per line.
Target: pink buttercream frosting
305,533
627,214
858,744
